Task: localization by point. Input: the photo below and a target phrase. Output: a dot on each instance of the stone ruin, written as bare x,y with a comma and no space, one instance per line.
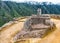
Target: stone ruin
35,27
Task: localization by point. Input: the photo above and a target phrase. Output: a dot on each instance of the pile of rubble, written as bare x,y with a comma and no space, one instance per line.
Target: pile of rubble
35,27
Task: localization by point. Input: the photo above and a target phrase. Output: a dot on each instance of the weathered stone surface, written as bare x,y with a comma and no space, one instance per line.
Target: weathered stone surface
35,27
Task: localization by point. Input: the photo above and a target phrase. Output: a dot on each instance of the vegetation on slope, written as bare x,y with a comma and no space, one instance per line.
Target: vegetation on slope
10,10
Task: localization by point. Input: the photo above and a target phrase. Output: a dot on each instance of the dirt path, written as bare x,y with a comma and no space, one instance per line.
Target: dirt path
8,34
53,37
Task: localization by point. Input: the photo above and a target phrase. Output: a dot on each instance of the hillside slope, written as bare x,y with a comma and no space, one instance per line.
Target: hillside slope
10,10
